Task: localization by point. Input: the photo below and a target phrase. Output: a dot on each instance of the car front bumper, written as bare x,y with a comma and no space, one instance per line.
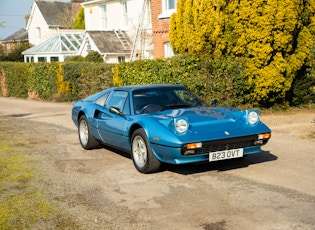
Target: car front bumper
172,155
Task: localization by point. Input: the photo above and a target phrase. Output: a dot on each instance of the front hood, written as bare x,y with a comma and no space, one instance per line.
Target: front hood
200,115
209,123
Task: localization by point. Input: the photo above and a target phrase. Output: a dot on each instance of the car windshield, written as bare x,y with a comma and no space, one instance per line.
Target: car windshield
159,99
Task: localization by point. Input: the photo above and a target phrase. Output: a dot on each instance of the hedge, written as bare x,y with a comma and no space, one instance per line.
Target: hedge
54,81
218,79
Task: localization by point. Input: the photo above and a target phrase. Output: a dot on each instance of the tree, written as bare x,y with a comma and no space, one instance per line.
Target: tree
197,27
79,22
94,56
273,39
16,54
2,55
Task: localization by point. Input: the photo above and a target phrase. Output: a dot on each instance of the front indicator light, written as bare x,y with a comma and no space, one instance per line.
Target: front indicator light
264,136
189,149
194,145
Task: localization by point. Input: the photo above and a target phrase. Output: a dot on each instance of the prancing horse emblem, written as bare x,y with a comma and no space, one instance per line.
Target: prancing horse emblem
226,133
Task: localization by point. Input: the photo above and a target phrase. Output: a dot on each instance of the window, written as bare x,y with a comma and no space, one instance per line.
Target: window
9,47
117,99
127,107
168,51
101,101
125,13
104,16
170,4
121,59
54,59
148,12
168,7
39,35
41,59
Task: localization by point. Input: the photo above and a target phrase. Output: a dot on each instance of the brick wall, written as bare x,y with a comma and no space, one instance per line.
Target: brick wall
160,28
7,47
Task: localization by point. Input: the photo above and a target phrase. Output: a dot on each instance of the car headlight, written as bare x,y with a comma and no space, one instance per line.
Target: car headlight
181,125
252,117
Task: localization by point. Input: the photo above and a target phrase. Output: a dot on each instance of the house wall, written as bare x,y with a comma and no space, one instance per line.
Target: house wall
116,20
38,30
160,28
8,47
115,15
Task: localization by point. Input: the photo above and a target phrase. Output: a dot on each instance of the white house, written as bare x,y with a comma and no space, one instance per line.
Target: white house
120,30
130,16
47,18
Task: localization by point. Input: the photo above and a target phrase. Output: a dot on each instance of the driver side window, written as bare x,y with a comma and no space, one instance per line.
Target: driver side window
117,99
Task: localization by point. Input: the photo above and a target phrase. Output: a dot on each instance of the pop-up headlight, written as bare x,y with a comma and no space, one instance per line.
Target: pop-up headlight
181,125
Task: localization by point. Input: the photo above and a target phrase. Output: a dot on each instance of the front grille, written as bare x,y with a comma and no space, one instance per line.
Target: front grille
226,144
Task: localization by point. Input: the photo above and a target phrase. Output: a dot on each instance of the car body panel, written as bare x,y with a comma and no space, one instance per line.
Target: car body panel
206,125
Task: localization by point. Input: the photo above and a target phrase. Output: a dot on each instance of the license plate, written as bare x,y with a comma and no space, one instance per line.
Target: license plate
225,154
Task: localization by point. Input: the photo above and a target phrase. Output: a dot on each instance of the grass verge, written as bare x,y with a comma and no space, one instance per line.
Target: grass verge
23,204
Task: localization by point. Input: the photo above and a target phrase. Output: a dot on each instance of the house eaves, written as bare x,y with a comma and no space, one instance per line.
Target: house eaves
92,2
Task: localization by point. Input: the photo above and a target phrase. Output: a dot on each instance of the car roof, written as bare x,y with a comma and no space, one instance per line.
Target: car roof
149,86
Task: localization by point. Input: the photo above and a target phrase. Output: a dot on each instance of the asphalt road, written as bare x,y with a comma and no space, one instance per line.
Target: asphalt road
274,189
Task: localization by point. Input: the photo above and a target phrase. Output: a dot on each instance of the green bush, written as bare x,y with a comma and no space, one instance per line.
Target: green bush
86,78
219,79
13,78
303,89
42,80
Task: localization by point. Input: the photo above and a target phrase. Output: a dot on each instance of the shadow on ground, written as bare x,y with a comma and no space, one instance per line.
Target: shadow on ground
225,165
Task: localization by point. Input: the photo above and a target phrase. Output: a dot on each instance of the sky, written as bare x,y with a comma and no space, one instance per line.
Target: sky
13,12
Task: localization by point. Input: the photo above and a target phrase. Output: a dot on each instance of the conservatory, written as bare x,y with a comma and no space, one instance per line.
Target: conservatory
56,49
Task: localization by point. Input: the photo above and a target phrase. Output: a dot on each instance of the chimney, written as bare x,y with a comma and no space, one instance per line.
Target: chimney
27,17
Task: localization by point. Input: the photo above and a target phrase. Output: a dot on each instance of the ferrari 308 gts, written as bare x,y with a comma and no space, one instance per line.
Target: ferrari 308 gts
166,123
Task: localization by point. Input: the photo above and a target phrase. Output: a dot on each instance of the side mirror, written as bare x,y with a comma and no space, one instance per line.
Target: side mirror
214,103
115,110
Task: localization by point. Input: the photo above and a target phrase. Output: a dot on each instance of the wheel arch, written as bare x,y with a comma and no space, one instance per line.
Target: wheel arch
80,114
132,129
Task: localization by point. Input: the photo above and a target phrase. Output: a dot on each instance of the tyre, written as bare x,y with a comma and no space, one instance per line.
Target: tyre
141,154
85,136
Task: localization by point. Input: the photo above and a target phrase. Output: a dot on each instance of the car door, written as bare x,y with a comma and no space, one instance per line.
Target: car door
112,127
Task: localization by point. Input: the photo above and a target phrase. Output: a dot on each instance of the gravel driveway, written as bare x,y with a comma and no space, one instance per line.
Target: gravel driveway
101,189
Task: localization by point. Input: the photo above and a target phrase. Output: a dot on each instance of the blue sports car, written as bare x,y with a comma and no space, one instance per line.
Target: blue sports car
166,123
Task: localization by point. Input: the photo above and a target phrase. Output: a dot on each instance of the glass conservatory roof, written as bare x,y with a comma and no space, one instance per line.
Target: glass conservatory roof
69,42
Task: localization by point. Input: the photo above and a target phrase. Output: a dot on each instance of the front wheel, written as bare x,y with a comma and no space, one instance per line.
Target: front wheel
142,156
85,136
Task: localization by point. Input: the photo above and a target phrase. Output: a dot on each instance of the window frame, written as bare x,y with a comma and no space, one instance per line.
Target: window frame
104,15
166,11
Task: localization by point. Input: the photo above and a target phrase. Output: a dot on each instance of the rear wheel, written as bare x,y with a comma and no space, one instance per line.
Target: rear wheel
86,139
142,156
